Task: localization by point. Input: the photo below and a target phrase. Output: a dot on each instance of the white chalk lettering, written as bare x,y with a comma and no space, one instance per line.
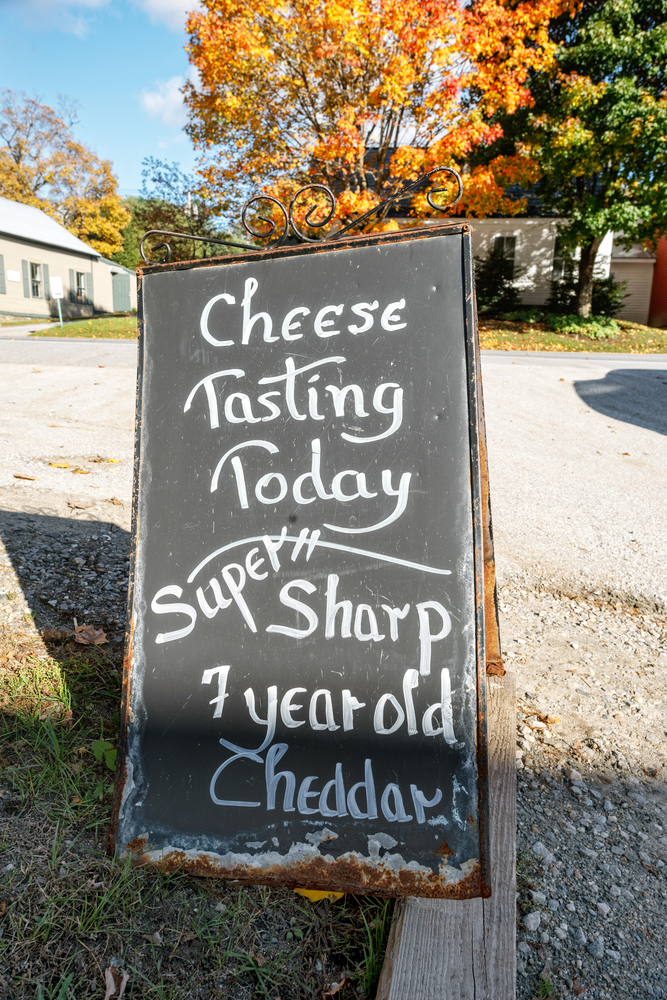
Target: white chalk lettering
218,701
365,311
398,813
286,708
173,609
306,611
444,706
251,287
426,637
378,715
329,722
320,322
350,706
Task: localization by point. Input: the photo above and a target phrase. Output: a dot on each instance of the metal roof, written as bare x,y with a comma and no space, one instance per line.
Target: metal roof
28,223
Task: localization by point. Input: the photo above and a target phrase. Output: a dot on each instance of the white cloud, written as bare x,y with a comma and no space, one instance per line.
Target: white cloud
171,13
70,16
166,102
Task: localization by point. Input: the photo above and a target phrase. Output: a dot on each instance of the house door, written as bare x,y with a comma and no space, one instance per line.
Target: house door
120,284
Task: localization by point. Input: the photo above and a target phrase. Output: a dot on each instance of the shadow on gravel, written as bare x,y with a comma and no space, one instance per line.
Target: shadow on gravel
70,572
637,396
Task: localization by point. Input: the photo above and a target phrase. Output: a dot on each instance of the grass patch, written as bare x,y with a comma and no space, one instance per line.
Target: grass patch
529,330
69,912
103,327
23,320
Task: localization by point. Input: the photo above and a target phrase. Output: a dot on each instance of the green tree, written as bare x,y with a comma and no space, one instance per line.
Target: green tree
598,128
169,200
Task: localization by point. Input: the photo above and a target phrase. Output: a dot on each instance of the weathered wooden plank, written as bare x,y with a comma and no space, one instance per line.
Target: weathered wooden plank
465,950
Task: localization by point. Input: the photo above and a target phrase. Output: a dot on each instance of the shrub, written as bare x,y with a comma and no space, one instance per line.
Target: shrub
595,327
531,315
608,296
494,281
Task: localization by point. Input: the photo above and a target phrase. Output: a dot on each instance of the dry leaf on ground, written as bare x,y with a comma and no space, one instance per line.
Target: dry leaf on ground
20,475
79,506
88,635
115,982
336,987
55,634
59,465
81,472
115,501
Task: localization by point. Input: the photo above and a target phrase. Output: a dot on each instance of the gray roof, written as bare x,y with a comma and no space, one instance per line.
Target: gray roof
28,223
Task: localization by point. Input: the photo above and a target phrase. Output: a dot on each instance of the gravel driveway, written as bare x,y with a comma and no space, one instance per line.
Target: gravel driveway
578,464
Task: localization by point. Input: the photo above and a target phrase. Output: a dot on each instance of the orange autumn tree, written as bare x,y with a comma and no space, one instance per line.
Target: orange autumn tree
364,96
43,165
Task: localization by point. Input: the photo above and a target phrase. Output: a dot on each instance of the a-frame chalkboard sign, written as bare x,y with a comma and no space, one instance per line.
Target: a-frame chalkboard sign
304,690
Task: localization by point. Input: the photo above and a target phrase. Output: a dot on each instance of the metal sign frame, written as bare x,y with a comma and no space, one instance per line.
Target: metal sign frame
310,866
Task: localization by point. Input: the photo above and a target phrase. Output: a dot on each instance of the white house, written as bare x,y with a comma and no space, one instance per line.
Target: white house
34,248
533,243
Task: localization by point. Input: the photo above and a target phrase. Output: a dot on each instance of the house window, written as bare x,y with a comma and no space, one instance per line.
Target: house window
80,286
36,281
562,269
506,245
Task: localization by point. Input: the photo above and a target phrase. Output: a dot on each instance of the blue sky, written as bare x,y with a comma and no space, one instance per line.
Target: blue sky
122,61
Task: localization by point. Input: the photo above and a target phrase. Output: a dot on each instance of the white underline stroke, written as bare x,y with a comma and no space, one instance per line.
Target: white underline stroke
323,545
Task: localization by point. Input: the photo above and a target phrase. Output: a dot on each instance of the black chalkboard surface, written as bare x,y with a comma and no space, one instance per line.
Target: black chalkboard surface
304,700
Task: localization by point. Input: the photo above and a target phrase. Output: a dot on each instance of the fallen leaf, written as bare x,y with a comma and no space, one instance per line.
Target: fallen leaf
55,425
37,371
114,461
314,895
3,907
336,987
116,501
257,957
115,982
55,634
59,465
76,801
561,379
88,635
625,453
20,475
68,718
81,472
79,506
101,366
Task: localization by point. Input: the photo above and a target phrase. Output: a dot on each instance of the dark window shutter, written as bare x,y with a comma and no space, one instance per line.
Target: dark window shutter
47,286
3,286
26,278
72,286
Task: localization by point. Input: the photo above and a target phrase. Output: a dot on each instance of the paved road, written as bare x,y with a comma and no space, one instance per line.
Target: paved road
577,451
578,468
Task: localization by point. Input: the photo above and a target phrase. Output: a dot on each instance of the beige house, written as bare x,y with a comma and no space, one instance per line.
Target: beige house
533,243
34,249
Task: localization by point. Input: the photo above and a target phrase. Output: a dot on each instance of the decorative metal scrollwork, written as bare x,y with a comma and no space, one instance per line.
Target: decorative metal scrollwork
289,225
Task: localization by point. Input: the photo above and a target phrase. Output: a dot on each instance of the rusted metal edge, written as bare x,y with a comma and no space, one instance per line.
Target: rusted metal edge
474,381
494,658
307,868
366,239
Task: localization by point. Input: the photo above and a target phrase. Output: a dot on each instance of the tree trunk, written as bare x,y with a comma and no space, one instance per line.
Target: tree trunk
584,299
